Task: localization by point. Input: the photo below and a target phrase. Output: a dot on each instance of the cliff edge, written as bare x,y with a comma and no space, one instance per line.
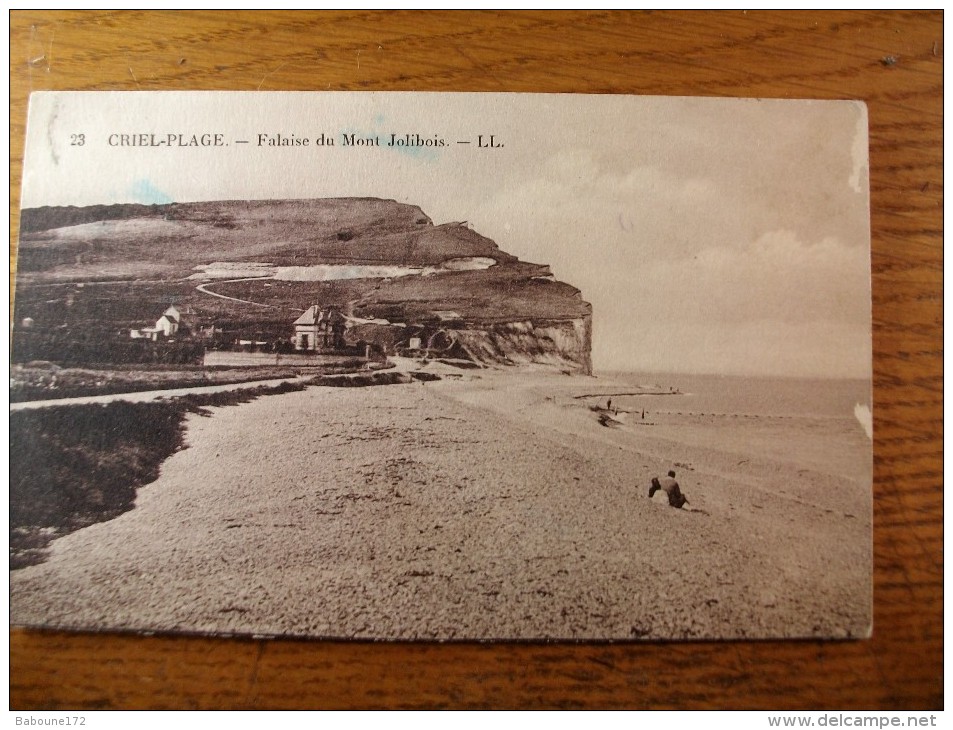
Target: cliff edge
246,270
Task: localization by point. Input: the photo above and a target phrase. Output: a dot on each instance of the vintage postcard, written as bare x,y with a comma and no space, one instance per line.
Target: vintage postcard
407,366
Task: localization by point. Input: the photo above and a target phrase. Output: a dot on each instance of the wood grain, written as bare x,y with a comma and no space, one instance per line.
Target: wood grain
891,60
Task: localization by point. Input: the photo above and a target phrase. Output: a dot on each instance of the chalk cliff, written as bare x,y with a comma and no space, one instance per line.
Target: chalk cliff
256,265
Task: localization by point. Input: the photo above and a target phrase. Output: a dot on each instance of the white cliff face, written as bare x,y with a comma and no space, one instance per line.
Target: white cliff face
559,344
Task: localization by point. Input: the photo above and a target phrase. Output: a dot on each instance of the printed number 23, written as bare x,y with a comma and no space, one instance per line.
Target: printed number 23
77,140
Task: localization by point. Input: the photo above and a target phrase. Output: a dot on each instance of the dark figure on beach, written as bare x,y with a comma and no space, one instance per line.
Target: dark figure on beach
670,487
609,404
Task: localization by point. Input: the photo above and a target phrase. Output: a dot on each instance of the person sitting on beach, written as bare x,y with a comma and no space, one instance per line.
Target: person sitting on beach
670,487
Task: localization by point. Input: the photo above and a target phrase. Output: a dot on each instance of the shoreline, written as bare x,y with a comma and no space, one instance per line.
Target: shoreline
488,507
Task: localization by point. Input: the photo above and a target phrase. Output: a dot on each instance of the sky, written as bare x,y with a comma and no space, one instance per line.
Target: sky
710,235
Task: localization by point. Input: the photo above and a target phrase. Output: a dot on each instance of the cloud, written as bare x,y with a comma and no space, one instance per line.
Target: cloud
710,235
669,260
779,305
755,347
777,277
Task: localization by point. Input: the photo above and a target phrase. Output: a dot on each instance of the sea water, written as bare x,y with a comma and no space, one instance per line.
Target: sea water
758,396
810,423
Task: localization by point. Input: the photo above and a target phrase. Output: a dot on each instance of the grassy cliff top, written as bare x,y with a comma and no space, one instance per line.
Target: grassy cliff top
166,241
107,267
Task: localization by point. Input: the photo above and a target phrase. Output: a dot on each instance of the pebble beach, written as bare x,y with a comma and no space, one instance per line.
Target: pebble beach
489,506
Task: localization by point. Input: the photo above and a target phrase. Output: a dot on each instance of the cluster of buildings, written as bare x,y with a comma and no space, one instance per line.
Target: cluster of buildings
328,329
317,330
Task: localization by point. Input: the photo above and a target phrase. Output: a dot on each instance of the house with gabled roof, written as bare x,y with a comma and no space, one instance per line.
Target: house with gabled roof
319,329
169,324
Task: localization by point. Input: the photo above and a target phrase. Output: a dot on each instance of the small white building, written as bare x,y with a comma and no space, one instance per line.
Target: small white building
168,325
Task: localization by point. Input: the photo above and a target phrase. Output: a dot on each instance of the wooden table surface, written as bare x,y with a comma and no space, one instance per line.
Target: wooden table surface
891,60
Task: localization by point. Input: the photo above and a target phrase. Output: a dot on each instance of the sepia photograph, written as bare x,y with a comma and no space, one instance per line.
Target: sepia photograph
443,367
